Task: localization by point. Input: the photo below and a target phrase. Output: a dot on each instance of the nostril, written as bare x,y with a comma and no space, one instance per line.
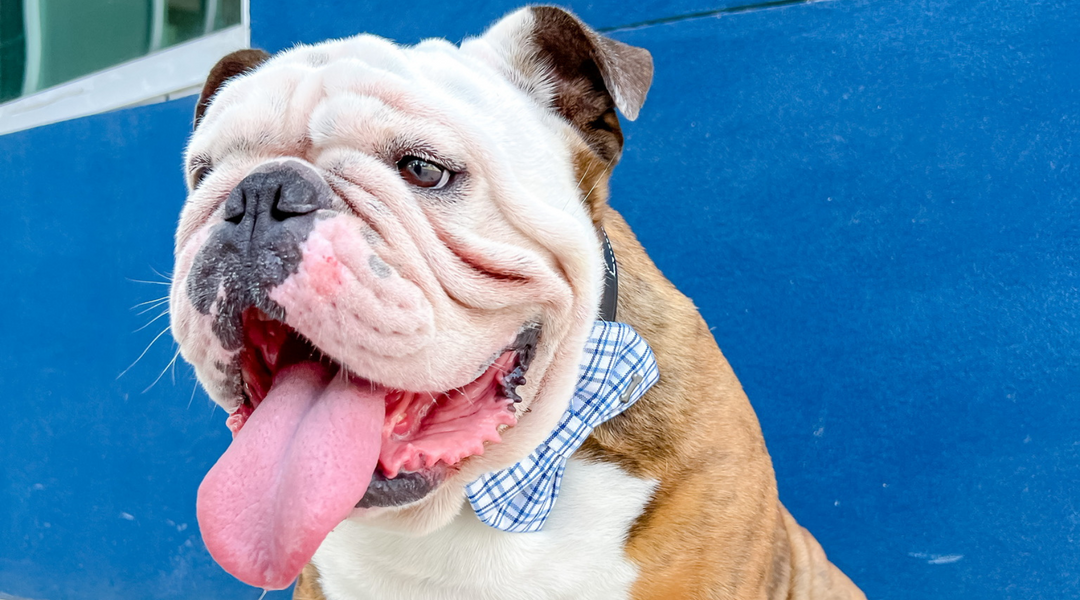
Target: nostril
268,197
235,205
276,208
294,198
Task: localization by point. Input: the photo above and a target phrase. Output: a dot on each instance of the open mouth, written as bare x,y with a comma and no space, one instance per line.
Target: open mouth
424,434
313,440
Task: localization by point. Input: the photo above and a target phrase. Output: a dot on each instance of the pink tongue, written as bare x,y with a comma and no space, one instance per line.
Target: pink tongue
296,469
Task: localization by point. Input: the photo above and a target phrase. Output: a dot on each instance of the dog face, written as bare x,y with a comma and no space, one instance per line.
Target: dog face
386,269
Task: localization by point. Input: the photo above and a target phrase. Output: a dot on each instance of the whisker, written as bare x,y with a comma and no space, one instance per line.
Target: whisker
166,311
150,282
583,176
171,363
194,386
150,345
174,366
152,307
161,275
598,179
149,301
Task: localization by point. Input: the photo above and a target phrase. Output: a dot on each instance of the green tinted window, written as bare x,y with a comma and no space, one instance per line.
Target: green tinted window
47,42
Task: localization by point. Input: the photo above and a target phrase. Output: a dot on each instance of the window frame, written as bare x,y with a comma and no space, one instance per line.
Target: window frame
173,72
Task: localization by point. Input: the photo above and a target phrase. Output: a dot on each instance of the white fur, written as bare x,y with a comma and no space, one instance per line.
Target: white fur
338,106
579,554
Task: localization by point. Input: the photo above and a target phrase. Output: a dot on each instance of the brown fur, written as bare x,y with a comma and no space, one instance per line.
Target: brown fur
307,586
590,73
715,528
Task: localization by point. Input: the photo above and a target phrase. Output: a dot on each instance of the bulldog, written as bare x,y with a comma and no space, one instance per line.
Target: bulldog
388,267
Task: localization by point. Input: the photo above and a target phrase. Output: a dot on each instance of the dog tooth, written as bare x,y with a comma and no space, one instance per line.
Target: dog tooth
271,356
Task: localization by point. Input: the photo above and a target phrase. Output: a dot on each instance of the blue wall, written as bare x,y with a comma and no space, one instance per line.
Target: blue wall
875,205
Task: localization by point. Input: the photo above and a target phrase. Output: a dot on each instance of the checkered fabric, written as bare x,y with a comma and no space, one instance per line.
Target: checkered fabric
617,367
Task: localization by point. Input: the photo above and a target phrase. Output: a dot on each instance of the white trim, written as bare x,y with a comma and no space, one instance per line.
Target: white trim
154,77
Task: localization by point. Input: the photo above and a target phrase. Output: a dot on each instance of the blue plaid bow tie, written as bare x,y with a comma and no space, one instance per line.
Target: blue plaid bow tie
617,368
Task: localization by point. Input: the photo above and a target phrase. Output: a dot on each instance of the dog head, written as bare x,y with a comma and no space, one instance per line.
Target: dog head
386,269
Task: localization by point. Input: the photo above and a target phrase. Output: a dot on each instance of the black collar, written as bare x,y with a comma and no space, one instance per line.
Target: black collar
610,300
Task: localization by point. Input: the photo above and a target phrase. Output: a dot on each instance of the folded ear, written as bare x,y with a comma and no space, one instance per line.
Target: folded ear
230,66
581,74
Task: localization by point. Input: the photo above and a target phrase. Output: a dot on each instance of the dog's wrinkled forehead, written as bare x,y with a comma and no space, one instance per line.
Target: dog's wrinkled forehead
364,93
535,80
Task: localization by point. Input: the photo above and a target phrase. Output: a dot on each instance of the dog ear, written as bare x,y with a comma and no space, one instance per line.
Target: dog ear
236,63
581,74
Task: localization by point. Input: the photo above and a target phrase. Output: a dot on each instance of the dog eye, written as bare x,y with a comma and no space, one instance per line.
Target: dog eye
198,174
422,173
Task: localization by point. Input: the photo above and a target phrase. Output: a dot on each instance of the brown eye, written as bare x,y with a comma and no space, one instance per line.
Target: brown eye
422,173
199,173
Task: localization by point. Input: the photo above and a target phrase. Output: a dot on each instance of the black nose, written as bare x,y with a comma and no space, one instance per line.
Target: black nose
274,195
268,216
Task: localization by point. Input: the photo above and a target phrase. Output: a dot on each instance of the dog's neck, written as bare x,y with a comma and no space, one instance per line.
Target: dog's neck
697,387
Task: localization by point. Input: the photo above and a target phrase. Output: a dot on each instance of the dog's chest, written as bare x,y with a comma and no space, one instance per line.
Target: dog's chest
579,554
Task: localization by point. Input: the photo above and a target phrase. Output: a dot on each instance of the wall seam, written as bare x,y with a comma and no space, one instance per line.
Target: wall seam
742,8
